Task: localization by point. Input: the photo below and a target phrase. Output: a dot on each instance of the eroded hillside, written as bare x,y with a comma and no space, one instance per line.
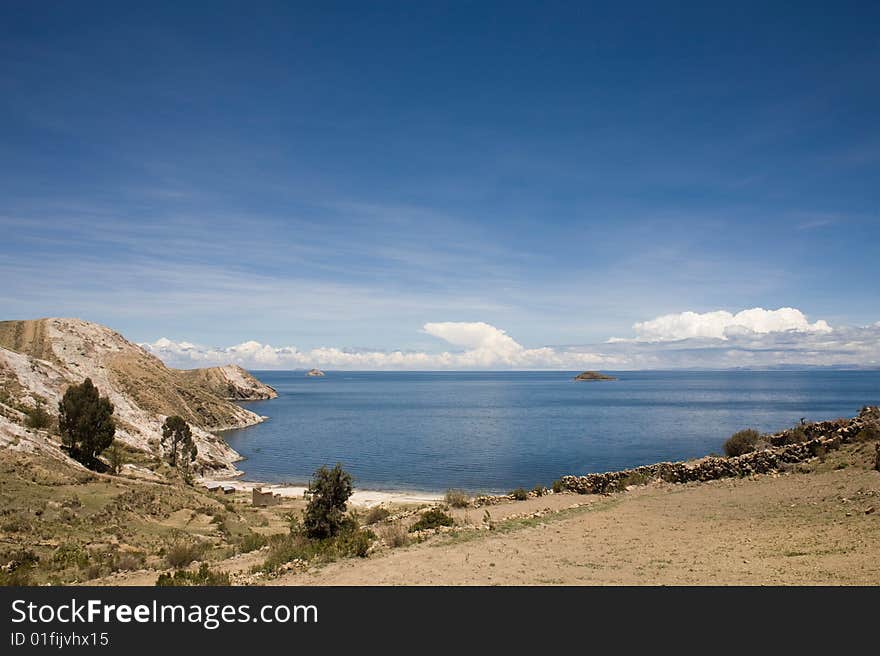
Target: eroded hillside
40,358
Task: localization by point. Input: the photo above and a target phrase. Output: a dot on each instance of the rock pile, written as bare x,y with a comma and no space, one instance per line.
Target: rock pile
819,439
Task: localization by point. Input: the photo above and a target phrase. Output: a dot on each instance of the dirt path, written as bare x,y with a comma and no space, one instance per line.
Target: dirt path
790,529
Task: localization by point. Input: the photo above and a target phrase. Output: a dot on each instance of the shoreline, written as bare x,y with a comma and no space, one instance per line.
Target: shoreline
360,497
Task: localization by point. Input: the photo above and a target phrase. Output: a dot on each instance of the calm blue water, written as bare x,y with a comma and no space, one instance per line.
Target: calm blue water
497,431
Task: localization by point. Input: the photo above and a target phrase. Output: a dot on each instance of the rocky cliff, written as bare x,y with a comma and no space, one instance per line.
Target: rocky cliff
40,358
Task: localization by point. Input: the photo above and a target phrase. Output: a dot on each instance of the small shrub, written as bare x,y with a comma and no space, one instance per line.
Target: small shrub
488,521
633,478
38,418
457,498
70,554
71,502
127,561
19,567
519,494
539,490
376,514
285,548
395,536
355,543
795,435
15,524
433,518
869,433
202,577
558,486
744,441
182,554
251,542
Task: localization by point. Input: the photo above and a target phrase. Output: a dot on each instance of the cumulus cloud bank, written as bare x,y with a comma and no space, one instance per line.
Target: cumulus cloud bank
482,345
723,325
756,338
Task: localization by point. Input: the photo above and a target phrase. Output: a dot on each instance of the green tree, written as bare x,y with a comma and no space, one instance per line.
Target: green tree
85,420
328,494
178,442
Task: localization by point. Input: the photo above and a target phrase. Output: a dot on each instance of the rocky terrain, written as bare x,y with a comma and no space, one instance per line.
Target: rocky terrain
40,358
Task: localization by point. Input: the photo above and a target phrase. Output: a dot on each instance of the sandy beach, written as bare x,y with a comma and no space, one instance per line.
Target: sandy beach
360,498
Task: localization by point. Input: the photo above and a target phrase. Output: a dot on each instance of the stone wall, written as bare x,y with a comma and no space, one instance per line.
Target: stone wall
821,438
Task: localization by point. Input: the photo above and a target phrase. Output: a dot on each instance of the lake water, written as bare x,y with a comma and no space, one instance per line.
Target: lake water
495,431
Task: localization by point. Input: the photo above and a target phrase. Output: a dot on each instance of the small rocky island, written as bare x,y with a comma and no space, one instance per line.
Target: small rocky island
314,372
593,375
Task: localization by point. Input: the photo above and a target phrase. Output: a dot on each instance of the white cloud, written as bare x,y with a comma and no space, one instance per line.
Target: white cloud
719,340
484,347
724,325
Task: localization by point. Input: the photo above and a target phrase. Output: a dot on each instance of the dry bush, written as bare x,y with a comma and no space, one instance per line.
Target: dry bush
457,498
395,535
376,514
520,494
744,441
433,518
181,554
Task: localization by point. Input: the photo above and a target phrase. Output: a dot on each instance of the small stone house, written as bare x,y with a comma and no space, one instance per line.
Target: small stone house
262,499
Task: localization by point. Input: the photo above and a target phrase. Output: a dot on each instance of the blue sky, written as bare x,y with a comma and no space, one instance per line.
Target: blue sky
342,174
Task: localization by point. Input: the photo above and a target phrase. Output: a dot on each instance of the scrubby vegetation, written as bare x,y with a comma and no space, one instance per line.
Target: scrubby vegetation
433,518
80,526
558,486
456,498
181,554
635,478
395,535
18,565
744,441
349,541
37,417
520,494
869,434
251,542
376,514
204,576
795,435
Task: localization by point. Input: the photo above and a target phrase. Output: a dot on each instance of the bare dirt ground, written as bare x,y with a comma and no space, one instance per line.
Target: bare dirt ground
798,528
